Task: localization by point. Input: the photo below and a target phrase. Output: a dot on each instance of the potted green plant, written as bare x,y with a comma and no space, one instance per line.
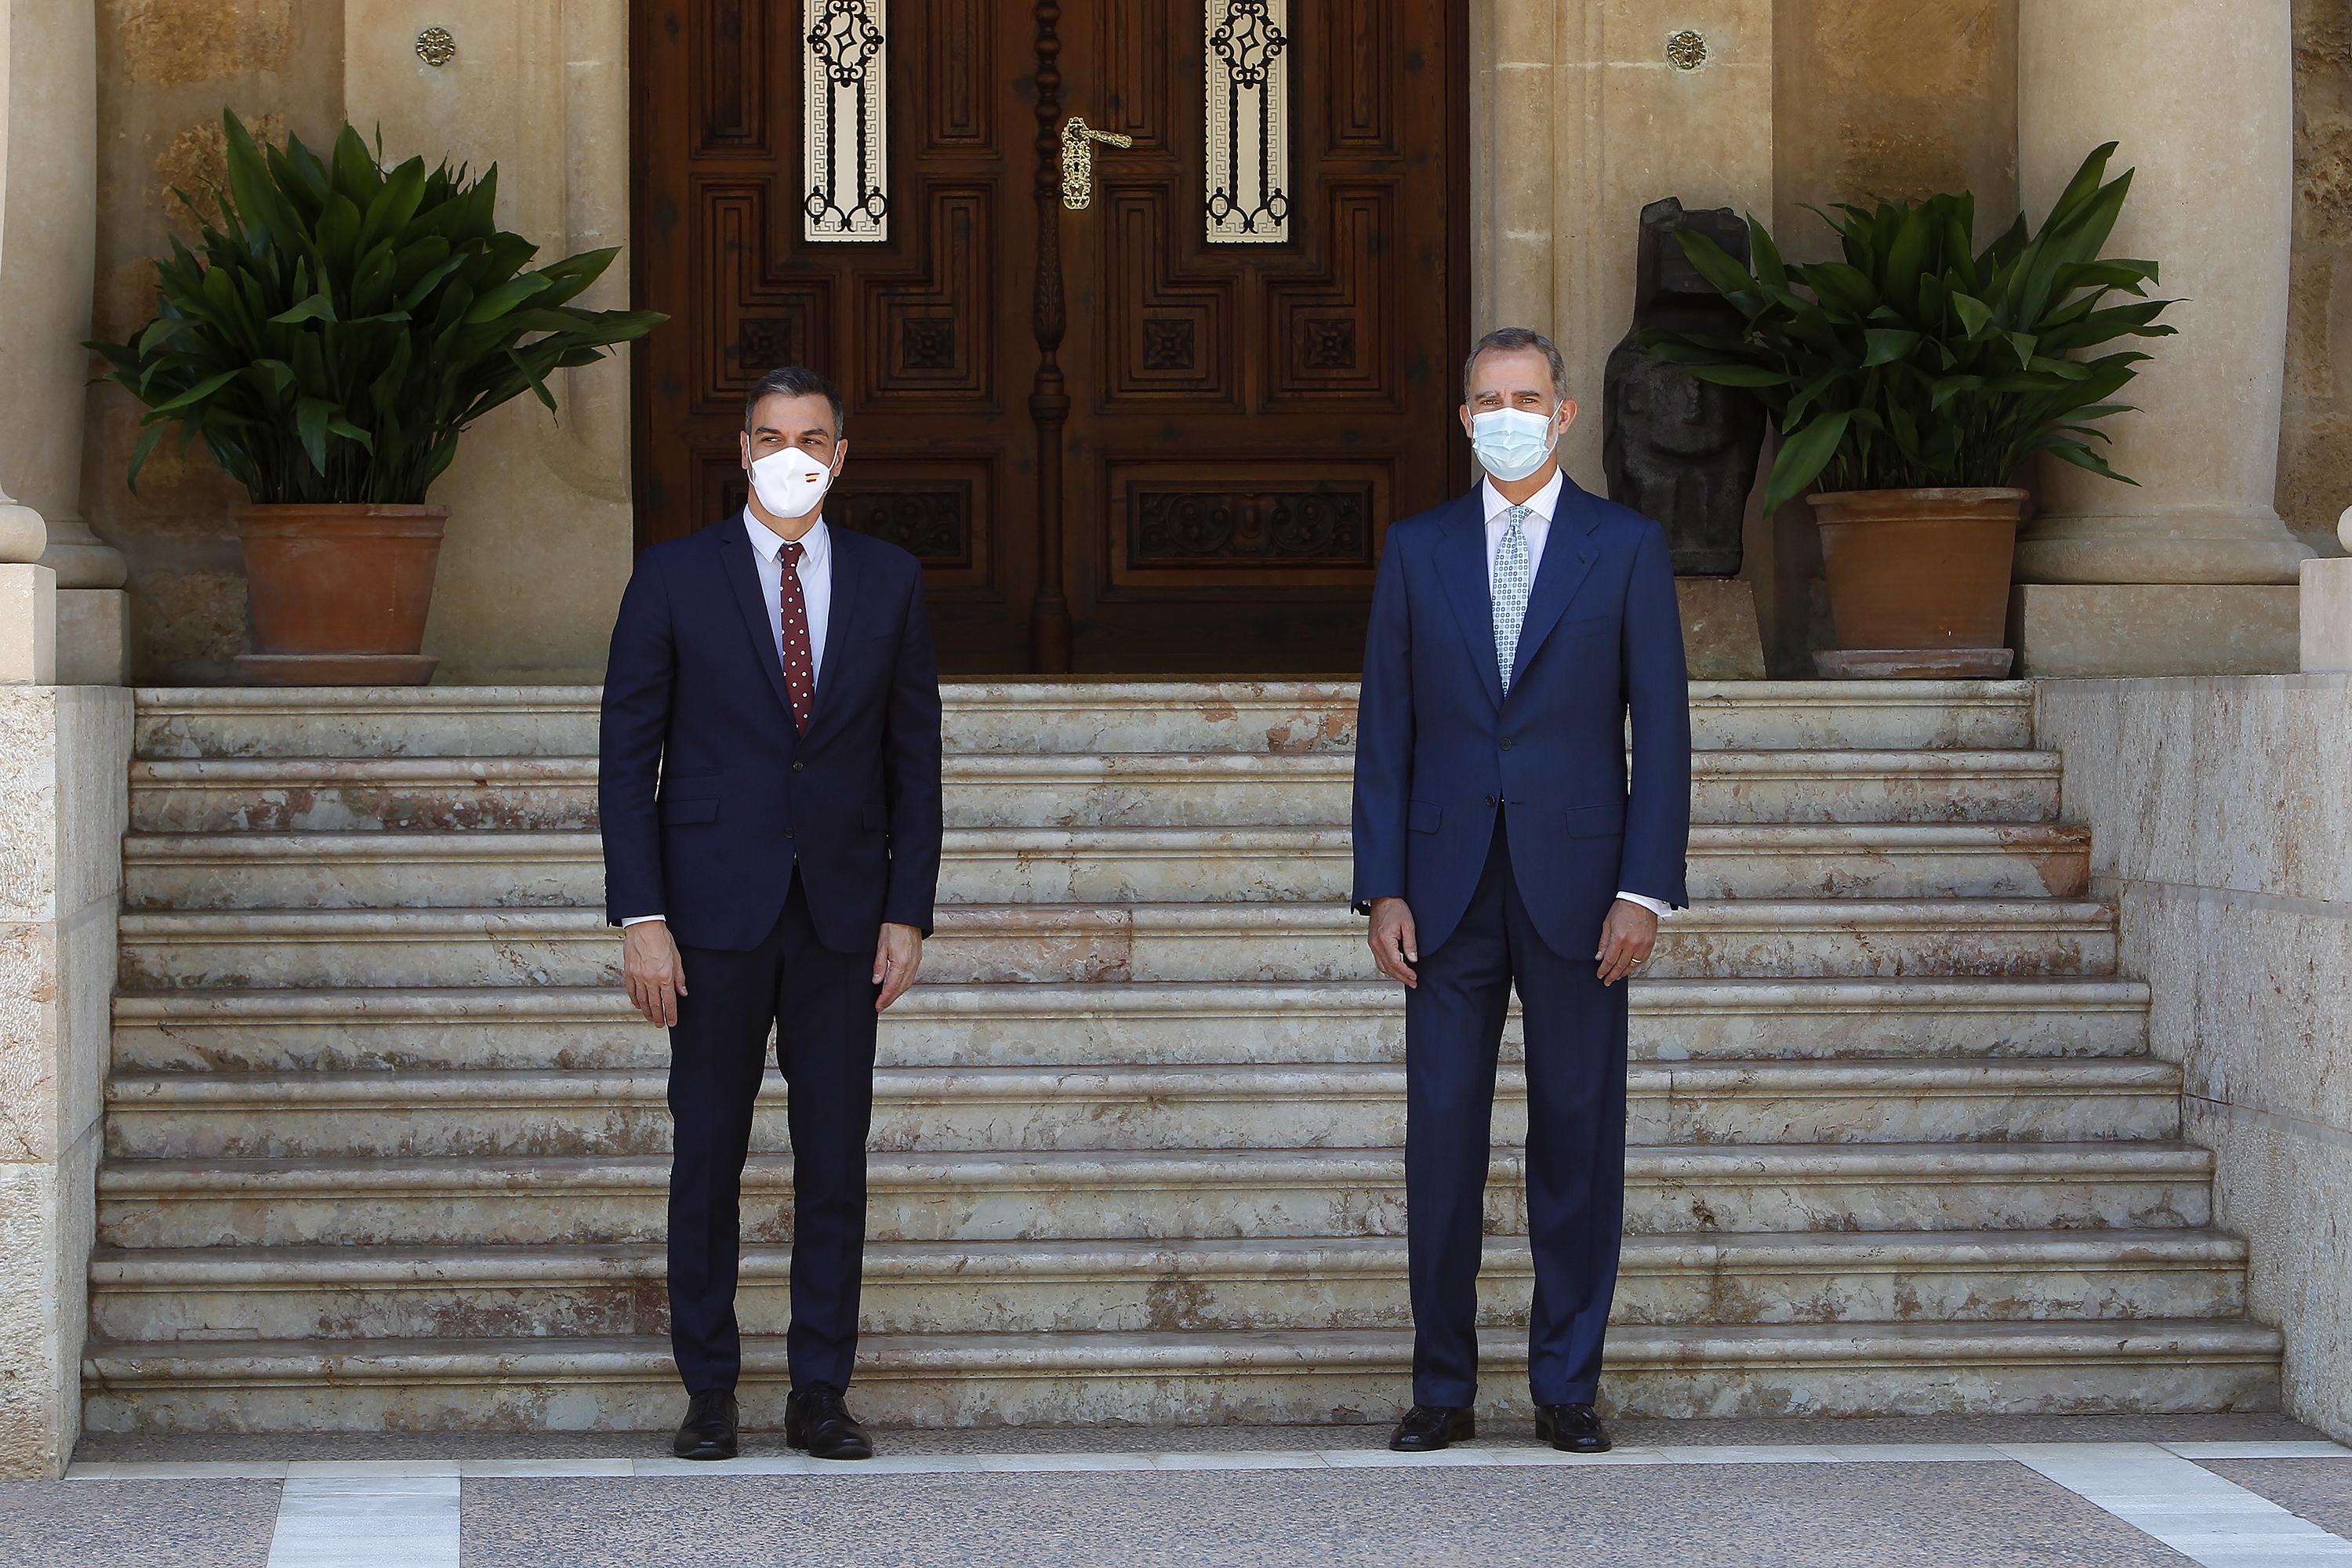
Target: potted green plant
339,326
1911,381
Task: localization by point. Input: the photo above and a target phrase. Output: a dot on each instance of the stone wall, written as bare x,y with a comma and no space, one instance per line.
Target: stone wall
2221,815
2315,437
65,758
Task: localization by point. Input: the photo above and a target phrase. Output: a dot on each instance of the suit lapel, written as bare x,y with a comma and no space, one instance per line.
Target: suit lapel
734,546
1461,561
836,633
1568,558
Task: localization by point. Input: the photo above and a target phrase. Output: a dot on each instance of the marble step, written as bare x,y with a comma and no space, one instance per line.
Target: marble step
1751,939
593,1029
327,794
1068,716
540,1293
1328,1194
1181,1378
384,1115
1112,865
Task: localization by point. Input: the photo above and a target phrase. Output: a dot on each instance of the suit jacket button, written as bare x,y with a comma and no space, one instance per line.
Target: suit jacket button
1506,746
797,767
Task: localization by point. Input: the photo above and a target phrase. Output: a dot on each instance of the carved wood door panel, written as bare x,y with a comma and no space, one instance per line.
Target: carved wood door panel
1249,415
1192,445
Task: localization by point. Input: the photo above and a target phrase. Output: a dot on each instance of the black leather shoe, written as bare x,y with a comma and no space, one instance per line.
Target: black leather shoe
1429,1427
709,1430
817,1418
1571,1428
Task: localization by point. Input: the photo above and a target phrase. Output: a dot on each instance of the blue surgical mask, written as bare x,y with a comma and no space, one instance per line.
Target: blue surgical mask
1511,443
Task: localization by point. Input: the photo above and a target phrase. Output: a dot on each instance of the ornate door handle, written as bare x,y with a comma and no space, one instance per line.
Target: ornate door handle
1078,160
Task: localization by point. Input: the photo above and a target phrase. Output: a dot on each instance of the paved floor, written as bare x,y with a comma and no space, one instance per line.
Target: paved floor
2224,1492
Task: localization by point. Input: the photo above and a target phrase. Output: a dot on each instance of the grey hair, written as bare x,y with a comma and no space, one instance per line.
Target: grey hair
792,381
1506,339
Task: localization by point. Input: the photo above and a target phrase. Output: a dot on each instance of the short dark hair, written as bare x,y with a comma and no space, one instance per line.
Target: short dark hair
1510,338
792,381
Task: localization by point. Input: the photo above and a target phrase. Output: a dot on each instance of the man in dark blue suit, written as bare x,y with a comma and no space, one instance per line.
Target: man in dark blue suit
769,791
1498,844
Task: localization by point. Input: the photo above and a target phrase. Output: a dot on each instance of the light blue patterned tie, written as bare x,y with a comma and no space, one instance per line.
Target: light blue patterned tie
1512,580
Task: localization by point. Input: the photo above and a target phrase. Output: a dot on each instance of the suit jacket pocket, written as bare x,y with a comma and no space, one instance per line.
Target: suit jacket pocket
1424,815
1595,821
689,810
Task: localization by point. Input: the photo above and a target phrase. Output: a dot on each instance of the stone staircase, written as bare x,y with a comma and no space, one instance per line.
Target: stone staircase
385,1147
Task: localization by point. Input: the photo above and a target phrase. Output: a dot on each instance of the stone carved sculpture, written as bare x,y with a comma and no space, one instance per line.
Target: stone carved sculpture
1674,447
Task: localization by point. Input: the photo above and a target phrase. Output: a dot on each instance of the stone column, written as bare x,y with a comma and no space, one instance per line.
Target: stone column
49,229
2192,572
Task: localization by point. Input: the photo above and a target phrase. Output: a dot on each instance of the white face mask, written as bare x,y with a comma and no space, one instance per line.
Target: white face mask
1511,443
791,483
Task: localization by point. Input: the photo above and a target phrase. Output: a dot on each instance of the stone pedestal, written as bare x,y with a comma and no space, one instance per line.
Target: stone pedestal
2327,604
2202,104
2153,629
1720,637
28,625
93,637
65,758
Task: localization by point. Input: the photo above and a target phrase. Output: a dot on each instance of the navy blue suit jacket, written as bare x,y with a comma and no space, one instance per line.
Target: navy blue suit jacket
708,794
1439,747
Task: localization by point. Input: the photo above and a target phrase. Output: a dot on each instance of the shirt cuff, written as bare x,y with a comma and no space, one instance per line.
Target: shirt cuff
640,920
1656,906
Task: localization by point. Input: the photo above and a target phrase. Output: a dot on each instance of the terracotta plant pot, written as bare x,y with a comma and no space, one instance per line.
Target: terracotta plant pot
340,593
1919,580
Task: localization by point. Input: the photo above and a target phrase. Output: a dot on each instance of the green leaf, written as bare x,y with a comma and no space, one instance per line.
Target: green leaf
1715,264
1887,345
1803,455
1975,315
311,416
195,394
317,307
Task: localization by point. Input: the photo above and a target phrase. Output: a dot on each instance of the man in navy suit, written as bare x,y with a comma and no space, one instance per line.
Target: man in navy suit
770,790
1498,844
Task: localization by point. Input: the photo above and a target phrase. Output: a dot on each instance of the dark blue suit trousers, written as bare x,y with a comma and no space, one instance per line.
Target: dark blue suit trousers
1508,824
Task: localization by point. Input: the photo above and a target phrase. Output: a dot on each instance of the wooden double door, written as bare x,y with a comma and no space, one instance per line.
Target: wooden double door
1119,442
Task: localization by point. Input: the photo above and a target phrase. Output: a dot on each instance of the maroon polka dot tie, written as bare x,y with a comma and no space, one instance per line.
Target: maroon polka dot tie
800,668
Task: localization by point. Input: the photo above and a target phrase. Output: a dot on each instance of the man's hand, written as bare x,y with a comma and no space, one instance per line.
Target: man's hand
651,970
1626,938
1395,947
897,957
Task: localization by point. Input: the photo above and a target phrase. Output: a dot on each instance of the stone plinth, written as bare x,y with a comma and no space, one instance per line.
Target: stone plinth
1720,637
64,776
93,637
2071,630
2327,604
28,625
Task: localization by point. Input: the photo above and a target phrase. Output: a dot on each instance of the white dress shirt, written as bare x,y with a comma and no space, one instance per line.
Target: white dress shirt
816,591
1537,526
